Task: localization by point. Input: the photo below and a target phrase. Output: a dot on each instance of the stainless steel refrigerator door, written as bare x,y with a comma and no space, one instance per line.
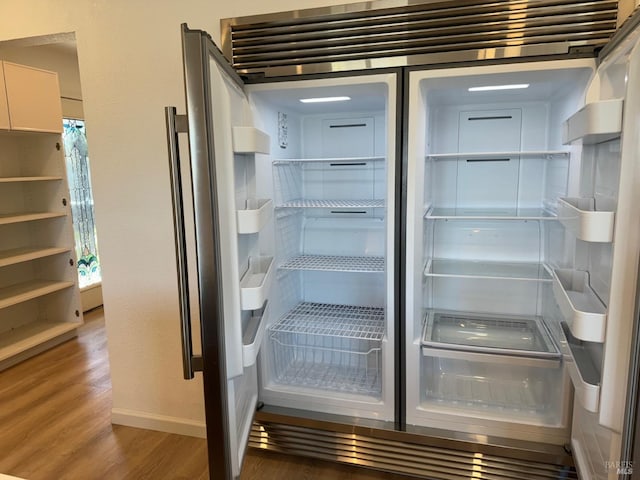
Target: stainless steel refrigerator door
231,317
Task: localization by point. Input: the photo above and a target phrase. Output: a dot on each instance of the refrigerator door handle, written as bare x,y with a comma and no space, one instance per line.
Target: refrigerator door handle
177,124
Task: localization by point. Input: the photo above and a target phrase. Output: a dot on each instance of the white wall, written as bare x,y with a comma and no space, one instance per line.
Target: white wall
130,67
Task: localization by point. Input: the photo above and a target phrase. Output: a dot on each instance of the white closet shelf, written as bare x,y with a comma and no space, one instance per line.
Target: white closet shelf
583,311
25,337
29,179
26,291
595,122
250,140
25,254
254,216
6,218
488,214
547,154
343,321
579,215
441,267
302,203
583,373
254,286
346,161
332,263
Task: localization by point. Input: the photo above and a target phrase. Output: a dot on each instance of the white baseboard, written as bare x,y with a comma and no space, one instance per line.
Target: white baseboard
91,297
161,423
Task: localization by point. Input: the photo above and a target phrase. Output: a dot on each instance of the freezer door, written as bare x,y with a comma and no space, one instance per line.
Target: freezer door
232,273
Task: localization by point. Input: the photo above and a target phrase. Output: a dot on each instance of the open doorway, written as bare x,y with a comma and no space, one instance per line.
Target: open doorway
58,53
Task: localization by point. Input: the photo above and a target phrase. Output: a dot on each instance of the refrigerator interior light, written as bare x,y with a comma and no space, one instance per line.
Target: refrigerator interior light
487,88
324,99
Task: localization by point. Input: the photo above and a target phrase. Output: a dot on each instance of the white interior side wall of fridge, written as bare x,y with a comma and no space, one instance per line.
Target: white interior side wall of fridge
421,196
303,142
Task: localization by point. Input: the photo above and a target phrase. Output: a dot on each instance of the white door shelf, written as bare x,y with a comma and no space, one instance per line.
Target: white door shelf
594,123
26,291
25,254
488,214
440,267
583,311
331,263
583,373
250,140
254,216
253,335
6,219
542,154
338,204
580,216
254,286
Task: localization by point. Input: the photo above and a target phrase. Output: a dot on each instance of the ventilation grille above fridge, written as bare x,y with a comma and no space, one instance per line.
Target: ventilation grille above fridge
393,33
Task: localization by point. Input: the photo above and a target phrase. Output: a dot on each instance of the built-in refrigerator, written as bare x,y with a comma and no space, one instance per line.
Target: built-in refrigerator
443,253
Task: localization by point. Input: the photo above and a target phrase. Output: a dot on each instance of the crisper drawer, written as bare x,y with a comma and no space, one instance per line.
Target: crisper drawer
493,334
527,390
329,347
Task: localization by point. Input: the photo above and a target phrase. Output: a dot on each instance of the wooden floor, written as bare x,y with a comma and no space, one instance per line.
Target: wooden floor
55,425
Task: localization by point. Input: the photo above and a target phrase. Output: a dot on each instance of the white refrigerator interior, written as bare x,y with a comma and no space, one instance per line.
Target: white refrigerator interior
486,170
328,344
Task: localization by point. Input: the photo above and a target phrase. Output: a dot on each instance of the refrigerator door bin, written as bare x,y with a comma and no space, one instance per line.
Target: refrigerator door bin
254,216
594,123
582,310
250,140
516,336
494,386
255,283
580,216
330,348
584,374
253,334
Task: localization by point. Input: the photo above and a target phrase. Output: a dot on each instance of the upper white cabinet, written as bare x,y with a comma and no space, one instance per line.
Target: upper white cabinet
32,101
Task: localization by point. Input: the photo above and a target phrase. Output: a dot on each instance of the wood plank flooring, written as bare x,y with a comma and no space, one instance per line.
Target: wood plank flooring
55,425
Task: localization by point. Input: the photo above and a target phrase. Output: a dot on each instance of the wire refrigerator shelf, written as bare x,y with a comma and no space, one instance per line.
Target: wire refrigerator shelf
301,203
330,347
333,263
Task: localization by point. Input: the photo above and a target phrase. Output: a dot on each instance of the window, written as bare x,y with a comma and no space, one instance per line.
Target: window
84,227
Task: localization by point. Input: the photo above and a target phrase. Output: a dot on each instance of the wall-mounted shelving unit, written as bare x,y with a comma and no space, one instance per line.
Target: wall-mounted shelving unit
39,296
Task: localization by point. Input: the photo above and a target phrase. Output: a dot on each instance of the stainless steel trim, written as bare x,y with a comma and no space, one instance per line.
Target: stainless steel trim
391,34
172,121
623,32
425,456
